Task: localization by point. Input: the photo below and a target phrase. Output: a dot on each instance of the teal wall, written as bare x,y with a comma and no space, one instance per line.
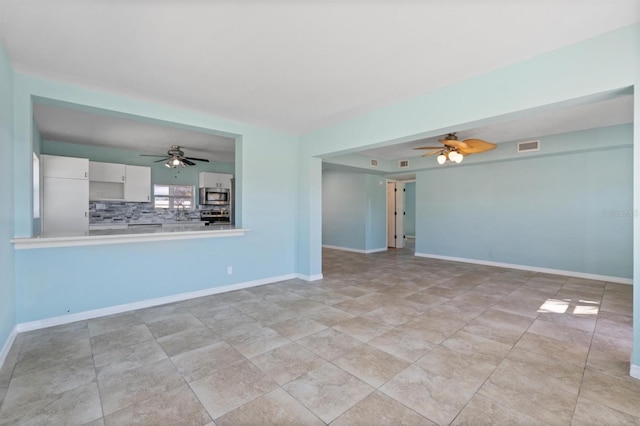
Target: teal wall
309,236
343,209
160,174
569,212
376,212
7,280
57,281
410,209
353,210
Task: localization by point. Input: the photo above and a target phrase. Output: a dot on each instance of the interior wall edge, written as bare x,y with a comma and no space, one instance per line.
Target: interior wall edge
8,344
315,277
634,371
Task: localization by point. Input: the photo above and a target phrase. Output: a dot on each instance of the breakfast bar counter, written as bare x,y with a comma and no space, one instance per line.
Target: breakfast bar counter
127,235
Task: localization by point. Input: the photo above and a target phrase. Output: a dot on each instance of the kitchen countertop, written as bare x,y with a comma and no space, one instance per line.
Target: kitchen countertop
121,223
134,235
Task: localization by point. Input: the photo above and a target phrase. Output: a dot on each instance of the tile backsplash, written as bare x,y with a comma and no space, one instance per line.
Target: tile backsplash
121,212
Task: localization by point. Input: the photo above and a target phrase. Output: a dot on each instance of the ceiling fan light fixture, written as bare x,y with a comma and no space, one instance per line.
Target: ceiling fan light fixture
175,157
455,150
174,162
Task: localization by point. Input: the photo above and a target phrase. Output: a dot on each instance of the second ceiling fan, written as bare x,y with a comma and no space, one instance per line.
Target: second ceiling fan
455,150
176,158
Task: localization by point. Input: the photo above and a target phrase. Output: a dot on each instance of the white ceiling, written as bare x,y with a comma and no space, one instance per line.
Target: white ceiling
98,129
289,65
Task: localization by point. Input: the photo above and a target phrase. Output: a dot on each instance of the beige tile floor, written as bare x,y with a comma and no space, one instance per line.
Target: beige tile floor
384,339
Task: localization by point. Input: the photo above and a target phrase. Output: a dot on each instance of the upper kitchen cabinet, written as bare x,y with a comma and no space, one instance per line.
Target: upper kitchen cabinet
137,185
215,180
65,167
119,182
106,172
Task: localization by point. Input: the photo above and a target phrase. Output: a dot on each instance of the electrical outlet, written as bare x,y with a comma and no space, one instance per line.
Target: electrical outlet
229,270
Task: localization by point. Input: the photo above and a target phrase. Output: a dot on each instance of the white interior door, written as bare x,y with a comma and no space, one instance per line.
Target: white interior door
391,220
395,214
399,214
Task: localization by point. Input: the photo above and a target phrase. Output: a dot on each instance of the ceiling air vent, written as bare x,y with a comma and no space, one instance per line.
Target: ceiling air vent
374,162
403,164
529,146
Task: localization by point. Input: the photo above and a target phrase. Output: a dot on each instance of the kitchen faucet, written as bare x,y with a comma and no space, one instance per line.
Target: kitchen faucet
178,215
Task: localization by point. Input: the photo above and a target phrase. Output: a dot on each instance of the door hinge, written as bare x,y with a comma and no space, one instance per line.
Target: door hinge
395,213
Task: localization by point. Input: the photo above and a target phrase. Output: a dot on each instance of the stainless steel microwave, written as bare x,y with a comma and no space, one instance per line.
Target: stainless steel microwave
215,196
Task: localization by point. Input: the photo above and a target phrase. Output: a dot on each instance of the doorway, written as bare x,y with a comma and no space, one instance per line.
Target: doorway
395,214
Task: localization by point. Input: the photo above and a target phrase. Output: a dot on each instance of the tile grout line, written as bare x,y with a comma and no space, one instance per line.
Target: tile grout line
497,366
586,361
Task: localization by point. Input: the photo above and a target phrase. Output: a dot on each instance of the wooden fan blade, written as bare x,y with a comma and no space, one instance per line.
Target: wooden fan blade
476,146
429,154
153,155
164,159
429,147
185,161
197,159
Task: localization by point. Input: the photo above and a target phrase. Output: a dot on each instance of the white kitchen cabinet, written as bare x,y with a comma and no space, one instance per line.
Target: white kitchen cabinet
65,167
65,194
119,182
65,205
106,172
137,185
224,180
214,180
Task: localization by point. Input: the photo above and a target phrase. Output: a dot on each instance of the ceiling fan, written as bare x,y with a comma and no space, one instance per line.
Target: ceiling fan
455,150
175,157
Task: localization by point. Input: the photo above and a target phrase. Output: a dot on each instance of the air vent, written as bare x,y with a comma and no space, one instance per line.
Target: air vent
403,164
529,146
374,162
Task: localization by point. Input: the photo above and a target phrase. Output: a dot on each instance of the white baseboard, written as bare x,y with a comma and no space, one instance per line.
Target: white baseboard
635,371
7,345
378,250
309,277
355,250
618,280
95,313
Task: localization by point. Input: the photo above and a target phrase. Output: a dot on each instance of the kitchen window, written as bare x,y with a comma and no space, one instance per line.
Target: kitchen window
173,196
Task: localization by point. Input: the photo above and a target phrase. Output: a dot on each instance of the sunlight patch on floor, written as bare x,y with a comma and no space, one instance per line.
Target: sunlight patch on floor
561,306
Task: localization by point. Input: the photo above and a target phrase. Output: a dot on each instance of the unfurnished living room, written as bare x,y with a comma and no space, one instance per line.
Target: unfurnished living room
366,212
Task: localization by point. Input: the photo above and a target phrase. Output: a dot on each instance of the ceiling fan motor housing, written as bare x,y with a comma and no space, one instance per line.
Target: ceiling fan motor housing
175,151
